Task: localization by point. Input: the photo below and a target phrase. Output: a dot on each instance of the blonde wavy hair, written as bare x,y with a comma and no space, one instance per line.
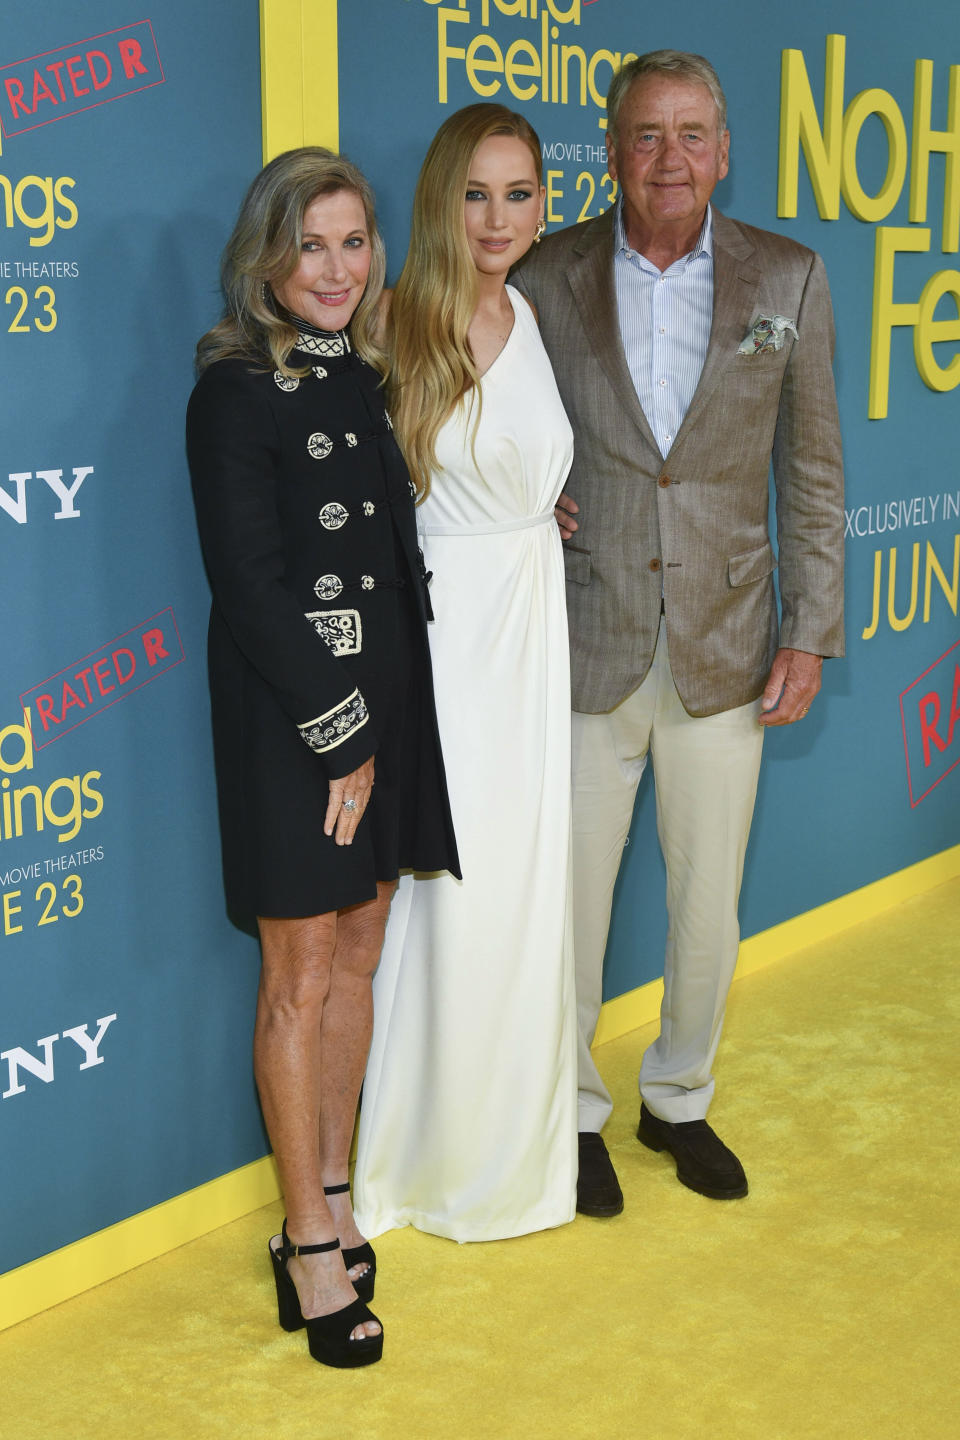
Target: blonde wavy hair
264,250
431,368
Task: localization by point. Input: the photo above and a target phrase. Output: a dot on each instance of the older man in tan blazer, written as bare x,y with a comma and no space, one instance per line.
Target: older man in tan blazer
690,350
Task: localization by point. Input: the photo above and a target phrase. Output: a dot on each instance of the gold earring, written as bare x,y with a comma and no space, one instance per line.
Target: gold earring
541,226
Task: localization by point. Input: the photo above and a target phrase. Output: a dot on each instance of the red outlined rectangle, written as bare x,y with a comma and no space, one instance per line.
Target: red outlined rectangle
922,723
127,663
35,94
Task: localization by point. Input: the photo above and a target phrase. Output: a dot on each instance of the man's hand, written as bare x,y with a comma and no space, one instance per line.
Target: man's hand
791,686
565,509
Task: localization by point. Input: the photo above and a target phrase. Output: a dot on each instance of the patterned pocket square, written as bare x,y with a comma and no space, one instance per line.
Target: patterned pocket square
767,333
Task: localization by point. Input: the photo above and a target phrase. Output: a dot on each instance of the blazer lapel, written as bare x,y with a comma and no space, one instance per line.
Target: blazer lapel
591,279
735,280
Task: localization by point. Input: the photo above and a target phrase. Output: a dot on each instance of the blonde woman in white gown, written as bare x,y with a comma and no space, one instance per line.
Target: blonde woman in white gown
468,1123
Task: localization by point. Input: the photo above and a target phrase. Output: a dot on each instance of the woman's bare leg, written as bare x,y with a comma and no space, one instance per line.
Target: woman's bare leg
295,981
345,1044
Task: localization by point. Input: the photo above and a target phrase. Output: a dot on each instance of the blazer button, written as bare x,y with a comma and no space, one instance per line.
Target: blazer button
654,564
664,481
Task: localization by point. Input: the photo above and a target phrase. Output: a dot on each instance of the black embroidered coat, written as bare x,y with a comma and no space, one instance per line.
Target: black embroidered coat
318,652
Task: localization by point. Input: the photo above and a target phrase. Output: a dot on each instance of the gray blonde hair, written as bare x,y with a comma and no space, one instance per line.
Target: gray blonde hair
264,250
680,65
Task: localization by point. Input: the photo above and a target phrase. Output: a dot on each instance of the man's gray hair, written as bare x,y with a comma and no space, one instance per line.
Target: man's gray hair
679,65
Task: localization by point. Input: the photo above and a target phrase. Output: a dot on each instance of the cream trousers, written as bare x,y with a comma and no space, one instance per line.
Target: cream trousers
706,774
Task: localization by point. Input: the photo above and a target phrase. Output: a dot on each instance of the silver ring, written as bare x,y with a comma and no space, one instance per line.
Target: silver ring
349,806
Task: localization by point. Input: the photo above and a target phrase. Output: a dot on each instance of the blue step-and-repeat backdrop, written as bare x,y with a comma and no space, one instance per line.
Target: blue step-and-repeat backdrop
126,998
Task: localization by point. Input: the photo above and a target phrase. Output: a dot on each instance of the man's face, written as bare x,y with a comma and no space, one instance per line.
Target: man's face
668,156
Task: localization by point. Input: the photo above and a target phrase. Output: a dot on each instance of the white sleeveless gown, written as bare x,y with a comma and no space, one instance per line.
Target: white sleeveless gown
468,1124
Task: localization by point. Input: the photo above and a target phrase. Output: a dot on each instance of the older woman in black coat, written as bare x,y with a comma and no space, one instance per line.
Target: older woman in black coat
320,685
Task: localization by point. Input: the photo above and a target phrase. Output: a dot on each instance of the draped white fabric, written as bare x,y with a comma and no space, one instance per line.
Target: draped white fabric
468,1125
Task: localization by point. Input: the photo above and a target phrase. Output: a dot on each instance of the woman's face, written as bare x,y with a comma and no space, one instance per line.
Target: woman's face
335,255
503,203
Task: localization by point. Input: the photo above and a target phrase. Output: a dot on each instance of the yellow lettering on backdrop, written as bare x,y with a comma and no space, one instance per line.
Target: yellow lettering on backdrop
601,57
800,126
446,51
554,196
830,151
952,589
476,66
891,240
526,63
69,218
515,67
9,911
22,736
926,141
928,331
871,629
568,52
867,103
895,622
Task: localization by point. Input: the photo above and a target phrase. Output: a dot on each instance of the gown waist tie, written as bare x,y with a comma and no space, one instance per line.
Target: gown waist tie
494,527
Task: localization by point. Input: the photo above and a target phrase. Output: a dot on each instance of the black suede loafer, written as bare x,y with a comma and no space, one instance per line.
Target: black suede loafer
703,1161
598,1189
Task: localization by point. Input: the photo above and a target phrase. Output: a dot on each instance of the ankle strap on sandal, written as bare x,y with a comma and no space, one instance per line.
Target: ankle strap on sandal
287,1249
337,1189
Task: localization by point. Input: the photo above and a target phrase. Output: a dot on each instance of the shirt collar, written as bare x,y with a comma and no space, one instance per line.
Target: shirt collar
704,245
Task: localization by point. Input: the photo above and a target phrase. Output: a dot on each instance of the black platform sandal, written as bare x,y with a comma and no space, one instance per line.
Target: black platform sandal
328,1336
358,1254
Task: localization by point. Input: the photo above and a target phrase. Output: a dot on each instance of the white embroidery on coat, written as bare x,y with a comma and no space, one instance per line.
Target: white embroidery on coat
285,382
323,344
340,630
330,730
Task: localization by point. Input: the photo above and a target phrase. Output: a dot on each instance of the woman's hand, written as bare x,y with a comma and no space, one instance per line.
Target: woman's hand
349,798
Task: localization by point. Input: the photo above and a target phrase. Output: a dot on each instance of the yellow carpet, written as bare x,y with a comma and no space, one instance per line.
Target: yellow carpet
825,1304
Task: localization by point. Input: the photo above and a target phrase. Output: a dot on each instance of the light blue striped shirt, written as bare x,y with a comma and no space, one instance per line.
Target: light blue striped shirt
665,321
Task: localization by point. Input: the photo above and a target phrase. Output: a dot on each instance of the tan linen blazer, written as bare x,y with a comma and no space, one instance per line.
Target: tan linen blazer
695,526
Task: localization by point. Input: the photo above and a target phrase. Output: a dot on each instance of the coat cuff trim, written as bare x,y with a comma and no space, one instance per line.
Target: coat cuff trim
328,731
